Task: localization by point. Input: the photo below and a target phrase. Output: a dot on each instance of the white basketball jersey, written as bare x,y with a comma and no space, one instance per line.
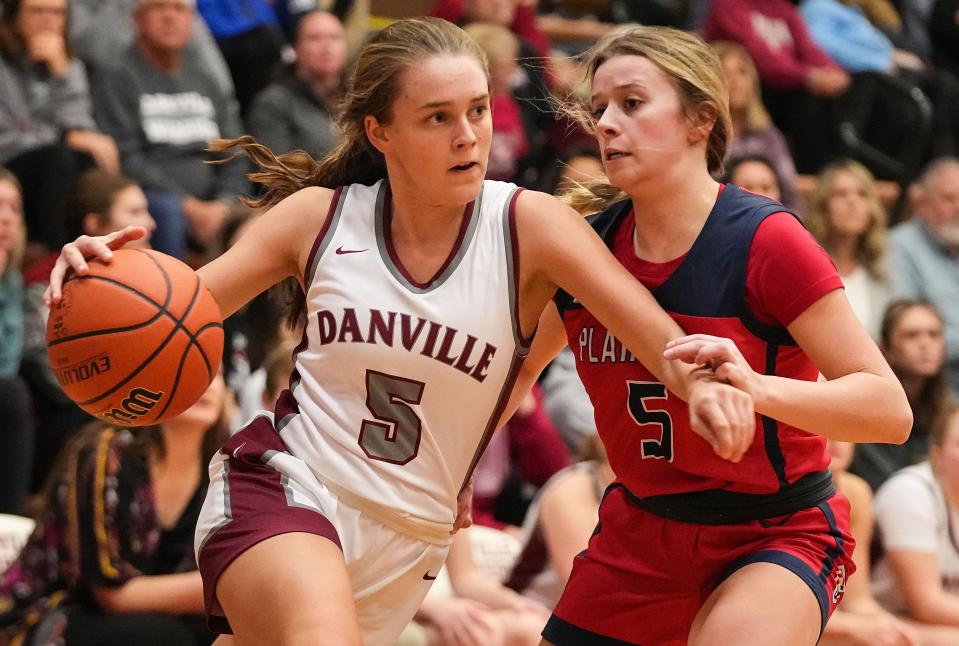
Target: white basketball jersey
397,385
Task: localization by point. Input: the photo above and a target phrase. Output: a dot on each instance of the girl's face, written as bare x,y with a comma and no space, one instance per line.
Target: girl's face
438,139
130,208
640,123
11,216
41,17
916,344
756,177
848,205
321,45
738,81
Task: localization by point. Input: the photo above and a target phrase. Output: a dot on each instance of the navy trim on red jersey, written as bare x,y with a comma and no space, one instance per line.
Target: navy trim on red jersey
720,291
771,427
723,507
563,633
795,565
710,282
605,224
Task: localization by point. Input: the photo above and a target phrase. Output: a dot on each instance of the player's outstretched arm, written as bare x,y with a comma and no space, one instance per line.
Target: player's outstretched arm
558,249
276,246
861,399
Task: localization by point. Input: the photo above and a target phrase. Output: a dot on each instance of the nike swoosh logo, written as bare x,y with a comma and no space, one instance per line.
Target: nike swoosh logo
427,577
237,450
341,251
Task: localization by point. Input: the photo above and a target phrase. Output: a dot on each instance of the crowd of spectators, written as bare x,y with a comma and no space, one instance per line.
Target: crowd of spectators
106,111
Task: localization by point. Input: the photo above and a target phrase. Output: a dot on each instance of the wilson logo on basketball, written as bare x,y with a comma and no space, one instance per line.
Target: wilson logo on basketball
84,370
136,404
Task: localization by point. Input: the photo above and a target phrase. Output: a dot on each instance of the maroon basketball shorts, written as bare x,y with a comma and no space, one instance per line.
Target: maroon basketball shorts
259,490
643,578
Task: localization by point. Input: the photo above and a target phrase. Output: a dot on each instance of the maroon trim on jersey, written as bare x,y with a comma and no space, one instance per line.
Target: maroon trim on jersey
257,509
286,404
388,241
526,342
330,216
501,403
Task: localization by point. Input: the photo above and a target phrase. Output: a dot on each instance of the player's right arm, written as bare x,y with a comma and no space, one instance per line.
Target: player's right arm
275,246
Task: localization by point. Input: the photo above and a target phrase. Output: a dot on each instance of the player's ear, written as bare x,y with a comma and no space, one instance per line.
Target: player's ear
701,120
377,133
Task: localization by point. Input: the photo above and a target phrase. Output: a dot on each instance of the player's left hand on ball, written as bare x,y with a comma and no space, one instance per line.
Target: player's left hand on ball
718,353
75,255
723,416
464,506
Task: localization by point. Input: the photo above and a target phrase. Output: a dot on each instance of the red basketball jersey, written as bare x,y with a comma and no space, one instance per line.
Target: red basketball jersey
750,272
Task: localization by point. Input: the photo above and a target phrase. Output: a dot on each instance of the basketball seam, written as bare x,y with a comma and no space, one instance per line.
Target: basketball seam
193,342
162,308
178,326
192,336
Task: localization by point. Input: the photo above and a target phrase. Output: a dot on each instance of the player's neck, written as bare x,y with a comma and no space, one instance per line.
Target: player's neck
421,224
671,212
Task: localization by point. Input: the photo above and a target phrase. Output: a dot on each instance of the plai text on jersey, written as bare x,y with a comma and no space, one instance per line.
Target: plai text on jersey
609,350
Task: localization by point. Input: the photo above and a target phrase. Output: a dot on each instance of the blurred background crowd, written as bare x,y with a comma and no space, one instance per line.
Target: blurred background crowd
846,111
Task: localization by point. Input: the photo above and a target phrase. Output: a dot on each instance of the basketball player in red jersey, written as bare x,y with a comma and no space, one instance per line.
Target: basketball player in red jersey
423,285
691,548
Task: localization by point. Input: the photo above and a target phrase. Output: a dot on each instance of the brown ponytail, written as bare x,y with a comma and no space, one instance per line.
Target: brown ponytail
374,85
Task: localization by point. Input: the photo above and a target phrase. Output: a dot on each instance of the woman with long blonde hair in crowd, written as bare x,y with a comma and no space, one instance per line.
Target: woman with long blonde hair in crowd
847,218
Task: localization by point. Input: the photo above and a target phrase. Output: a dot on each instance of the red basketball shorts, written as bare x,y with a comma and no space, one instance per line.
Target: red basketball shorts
643,578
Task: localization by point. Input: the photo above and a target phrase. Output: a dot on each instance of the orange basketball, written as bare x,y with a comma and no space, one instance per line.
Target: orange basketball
135,341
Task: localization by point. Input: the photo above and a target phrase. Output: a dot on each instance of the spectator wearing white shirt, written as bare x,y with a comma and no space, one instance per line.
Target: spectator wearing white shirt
917,512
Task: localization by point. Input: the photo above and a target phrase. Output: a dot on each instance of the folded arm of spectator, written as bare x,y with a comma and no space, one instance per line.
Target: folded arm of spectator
175,594
918,573
470,582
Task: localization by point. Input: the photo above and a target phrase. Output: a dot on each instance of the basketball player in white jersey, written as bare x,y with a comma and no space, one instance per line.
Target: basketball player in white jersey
423,286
